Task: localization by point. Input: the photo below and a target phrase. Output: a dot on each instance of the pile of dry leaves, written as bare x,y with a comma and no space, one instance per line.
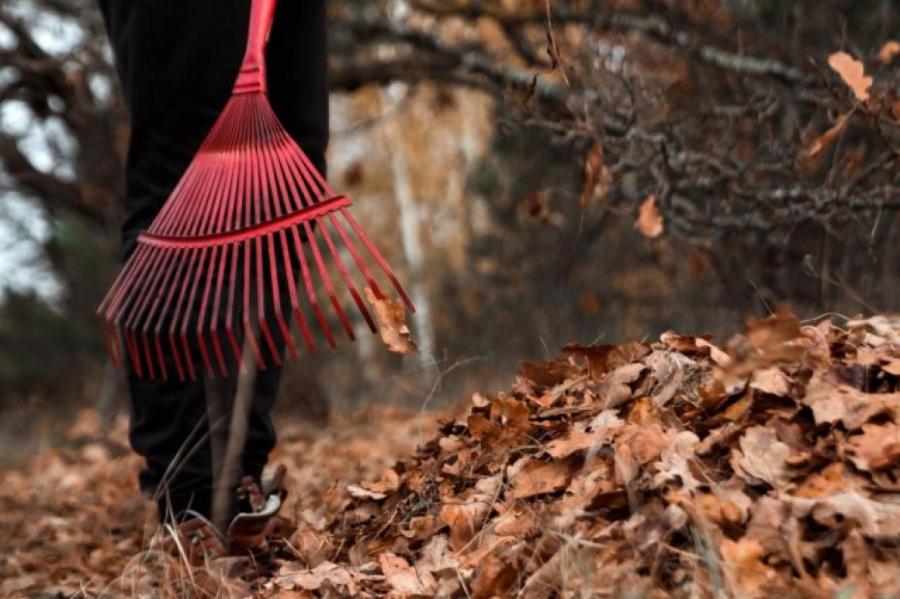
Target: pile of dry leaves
674,468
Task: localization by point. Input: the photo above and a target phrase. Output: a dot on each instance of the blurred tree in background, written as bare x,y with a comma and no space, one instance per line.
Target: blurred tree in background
548,171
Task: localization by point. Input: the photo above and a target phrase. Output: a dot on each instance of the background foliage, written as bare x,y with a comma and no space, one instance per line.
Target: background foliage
502,149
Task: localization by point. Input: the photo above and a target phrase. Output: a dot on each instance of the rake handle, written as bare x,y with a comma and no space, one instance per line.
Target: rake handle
252,77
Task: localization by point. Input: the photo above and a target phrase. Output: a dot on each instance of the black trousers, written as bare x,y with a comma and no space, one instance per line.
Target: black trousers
177,61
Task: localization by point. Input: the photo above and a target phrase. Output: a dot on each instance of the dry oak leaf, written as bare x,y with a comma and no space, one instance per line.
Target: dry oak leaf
291,576
771,380
649,221
762,457
877,448
876,519
833,479
465,516
745,573
388,483
357,492
577,439
833,402
391,316
853,74
675,462
615,388
493,578
530,477
889,51
402,577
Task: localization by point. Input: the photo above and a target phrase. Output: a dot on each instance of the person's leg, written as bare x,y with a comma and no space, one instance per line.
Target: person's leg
177,63
298,91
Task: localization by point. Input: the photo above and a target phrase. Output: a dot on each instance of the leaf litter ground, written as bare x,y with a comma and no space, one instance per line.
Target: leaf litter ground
768,466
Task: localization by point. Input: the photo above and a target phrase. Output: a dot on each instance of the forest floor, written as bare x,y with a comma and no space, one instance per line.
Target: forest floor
673,468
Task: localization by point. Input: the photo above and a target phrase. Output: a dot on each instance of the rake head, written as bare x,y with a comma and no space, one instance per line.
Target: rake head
245,244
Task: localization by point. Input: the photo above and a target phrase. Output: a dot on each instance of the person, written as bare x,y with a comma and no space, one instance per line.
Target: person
177,63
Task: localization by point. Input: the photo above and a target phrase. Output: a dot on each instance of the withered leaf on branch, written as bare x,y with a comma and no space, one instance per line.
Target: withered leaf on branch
853,73
649,221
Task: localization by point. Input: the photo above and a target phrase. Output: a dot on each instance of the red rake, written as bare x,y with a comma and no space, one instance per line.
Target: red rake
249,213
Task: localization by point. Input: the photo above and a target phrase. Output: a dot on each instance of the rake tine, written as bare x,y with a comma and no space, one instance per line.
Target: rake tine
269,191
203,304
305,179
360,264
261,305
219,187
170,295
230,316
317,256
131,347
311,172
191,258
168,261
214,317
156,271
326,280
277,174
284,182
310,290
378,258
261,188
346,276
136,265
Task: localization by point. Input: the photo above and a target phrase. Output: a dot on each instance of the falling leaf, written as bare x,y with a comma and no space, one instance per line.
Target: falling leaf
853,74
391,316
889,51
649,221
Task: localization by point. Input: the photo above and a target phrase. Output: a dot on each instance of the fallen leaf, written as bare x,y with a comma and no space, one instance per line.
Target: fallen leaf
762,457
770,380
876,519
649,221
357,492
853,74
615,388
293,576
877,448
400,575
535,477
391,317
745,573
